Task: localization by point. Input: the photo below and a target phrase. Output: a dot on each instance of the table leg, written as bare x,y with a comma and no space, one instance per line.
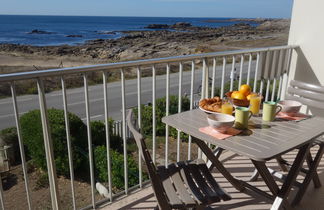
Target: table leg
313,164
218,165
266,176
282,195
217,152
309,159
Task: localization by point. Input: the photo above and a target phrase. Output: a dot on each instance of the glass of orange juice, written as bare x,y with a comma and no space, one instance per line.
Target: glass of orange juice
227,107
255,102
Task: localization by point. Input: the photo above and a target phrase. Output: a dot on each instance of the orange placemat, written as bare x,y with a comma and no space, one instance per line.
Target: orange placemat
294,116
212,132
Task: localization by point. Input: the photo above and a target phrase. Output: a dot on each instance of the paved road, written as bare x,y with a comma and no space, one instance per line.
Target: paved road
75,97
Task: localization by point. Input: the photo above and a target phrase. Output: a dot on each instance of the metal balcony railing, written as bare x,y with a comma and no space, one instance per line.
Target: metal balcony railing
268,65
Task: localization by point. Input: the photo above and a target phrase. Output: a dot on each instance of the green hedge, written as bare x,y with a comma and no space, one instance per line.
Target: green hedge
10,137
117,168
32,135
147,119
98,131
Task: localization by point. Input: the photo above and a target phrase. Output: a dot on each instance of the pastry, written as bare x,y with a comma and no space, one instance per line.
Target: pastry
211,104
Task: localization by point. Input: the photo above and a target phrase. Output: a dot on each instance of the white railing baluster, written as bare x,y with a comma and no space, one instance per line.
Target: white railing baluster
256,72
124,130
204,81
68,140
214,78
279,89
273,89
167,114
154,112
232,73
267,90
223,77
105,91
1,196
87,108
261,86
21,145
139,122
179,108
241,70
249,69
287,66
48,145
191,102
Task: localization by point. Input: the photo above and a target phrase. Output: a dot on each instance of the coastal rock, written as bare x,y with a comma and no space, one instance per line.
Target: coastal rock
157,26
181,25
36,31
74,35
107,32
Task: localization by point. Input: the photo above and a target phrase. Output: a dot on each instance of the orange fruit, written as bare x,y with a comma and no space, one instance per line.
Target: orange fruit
250,95
238,95
245,89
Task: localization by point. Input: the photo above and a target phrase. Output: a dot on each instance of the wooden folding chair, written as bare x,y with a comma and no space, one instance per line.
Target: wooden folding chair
312,96
181,185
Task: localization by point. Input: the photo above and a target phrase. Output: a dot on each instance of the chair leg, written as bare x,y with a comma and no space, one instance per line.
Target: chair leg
281,162
254,176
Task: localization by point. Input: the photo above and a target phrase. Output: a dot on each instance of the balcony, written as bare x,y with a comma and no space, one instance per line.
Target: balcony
188,77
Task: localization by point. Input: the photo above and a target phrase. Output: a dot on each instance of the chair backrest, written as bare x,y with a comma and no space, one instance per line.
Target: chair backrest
306,93
155,178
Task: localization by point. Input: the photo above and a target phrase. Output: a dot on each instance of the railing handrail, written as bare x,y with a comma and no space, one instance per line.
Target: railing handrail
126,64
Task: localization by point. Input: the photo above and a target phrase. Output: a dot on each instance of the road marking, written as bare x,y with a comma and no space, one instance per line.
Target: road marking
82,102
9,115
19,100
92,117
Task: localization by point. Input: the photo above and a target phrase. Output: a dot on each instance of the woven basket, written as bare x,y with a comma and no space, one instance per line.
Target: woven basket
237,102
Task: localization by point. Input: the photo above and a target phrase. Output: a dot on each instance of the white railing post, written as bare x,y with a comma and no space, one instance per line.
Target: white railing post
233,74
68,140
179,108
256,72
241,71
48,145
90,152
139,122
1,196
154,112
167,106
223,77
249,69
191,102
214,78
21,145
105,91
124,131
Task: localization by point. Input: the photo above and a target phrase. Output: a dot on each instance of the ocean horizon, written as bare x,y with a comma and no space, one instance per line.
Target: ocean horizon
50,30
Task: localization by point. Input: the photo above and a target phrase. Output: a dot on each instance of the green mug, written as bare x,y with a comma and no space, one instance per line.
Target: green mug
242,116
270,110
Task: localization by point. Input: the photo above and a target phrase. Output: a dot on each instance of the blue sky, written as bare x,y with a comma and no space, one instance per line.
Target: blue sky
158,8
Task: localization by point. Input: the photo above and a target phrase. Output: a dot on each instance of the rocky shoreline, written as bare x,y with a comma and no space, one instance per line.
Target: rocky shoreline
169,40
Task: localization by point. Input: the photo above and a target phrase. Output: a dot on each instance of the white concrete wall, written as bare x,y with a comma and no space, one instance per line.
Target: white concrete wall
307,31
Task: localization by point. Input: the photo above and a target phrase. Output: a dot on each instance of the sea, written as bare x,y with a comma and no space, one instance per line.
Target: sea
76,30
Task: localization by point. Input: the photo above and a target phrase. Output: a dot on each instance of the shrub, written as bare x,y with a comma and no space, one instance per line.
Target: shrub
98,131
117,168
147,126
10,137
33,138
